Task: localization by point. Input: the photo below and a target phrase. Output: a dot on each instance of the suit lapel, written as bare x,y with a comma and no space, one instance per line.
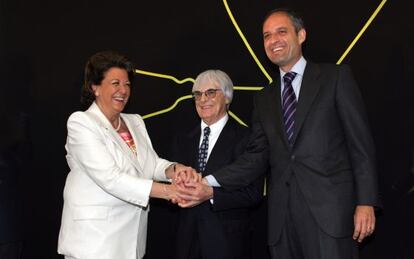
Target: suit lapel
107,128
308,91
275,108
191,144
223,144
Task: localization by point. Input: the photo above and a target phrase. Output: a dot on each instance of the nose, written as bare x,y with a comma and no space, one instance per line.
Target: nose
123,88
272,38
203,97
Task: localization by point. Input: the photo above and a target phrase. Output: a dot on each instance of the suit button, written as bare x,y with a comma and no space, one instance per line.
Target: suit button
292,157
287,184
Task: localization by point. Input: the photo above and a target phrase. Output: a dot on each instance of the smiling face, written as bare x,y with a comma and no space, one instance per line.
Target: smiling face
283,45
211,109
113,92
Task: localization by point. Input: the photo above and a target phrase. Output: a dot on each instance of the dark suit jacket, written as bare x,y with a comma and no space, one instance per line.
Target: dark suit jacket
332,158
220,230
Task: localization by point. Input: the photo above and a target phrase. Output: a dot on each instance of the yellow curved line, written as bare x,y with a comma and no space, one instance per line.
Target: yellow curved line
362,31
248,88
147,73
237,118
243,88
236,26
167,109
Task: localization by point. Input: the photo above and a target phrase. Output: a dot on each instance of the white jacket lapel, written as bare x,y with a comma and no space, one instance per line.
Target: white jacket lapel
110,132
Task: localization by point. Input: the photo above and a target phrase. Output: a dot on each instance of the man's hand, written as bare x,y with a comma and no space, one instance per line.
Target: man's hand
184,174
193,193
364,222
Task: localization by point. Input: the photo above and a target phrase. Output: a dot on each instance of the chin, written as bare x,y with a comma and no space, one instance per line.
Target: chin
119,109
206,118
280,63
205,115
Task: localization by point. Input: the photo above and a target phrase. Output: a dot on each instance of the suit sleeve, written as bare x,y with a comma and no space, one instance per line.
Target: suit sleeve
244,197
87,150
252,163
241,198
358,137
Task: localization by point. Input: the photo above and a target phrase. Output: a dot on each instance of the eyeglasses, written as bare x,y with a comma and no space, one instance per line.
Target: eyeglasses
209,93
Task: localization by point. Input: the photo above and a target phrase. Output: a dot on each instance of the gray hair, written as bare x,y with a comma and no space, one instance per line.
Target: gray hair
216,77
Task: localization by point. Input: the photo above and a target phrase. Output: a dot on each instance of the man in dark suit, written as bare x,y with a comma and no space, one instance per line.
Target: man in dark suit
310,127
219,226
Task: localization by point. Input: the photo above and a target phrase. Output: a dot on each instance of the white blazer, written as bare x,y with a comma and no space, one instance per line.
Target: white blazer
107,190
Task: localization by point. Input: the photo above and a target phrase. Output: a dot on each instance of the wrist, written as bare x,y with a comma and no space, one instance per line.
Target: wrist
165,192
170,171
210,192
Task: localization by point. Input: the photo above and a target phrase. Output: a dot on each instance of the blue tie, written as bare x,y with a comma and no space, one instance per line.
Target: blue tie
289,105
202,151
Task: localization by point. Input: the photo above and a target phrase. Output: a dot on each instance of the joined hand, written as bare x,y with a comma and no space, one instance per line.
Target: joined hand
191,189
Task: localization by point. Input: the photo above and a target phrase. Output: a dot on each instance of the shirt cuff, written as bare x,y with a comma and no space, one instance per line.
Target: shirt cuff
212,181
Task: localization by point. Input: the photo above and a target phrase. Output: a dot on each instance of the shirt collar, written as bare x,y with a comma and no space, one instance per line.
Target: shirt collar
298,68
217,126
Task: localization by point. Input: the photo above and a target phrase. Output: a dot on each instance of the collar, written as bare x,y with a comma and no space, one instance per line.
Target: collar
298,68
217,126
94,109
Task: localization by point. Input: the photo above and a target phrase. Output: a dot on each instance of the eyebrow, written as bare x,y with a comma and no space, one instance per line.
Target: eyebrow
117,79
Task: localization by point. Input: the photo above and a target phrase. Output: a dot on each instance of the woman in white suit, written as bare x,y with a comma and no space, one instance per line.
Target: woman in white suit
112,169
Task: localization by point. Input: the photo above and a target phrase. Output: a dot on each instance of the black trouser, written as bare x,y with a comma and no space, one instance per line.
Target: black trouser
302,238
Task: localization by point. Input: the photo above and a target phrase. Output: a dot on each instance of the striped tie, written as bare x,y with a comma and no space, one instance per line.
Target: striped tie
289,105
202,151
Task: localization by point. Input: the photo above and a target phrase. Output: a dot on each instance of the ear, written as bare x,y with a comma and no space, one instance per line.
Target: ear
95,90
302,36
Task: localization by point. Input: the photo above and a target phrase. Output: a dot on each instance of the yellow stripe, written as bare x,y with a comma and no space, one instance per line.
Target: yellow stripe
236,26
189,79
169,108
248,88
237,119
361,32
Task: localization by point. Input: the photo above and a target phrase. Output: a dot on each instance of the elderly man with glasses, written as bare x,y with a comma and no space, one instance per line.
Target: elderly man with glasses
219,226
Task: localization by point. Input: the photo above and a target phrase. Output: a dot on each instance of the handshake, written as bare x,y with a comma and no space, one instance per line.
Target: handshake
188,188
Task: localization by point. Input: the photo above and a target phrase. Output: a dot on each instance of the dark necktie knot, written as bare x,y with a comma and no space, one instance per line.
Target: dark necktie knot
206,131
288,78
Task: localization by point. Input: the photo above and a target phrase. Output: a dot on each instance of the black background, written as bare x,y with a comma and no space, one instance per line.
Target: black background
45,44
